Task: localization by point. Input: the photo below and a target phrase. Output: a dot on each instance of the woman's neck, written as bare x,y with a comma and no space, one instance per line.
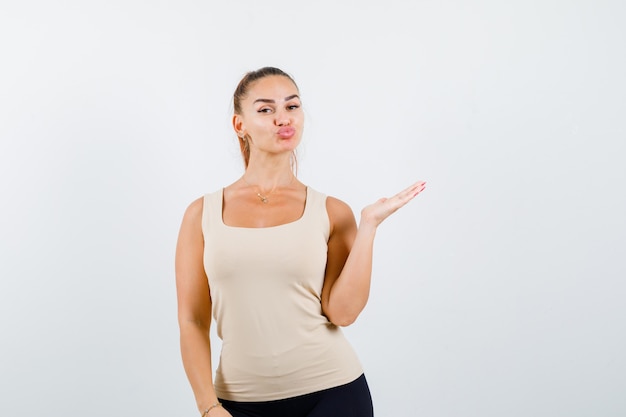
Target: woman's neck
268,177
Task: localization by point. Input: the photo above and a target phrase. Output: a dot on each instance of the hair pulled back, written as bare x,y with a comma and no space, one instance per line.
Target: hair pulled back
242,91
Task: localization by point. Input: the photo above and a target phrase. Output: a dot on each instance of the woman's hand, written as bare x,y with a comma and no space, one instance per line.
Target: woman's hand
374,214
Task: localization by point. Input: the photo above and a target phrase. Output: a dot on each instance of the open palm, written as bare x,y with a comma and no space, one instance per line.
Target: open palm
375,213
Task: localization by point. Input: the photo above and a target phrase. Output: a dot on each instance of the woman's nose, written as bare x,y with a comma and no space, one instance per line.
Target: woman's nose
282,119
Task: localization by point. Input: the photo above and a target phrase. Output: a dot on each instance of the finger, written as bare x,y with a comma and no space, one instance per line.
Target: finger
411,191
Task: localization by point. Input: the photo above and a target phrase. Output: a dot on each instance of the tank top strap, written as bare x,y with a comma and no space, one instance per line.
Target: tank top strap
211,211
316,211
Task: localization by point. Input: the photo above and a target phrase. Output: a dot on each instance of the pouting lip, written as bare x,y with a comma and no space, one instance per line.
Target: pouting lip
286,131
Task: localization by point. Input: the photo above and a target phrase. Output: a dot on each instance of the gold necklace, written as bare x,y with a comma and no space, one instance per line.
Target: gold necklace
265,198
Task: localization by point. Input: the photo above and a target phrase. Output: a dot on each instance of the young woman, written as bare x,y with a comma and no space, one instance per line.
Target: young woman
281,267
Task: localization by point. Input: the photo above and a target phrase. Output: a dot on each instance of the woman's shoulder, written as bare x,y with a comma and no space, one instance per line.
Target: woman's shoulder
339,212
194,209
336,209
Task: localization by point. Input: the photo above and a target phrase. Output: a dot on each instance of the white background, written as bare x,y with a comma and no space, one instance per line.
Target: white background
498,292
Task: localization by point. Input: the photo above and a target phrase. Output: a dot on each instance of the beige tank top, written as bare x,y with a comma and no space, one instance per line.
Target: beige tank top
266,286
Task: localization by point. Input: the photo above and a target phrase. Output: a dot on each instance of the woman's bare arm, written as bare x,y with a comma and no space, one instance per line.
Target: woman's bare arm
349,265
194,309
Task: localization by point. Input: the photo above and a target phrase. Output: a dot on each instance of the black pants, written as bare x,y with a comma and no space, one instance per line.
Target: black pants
349,400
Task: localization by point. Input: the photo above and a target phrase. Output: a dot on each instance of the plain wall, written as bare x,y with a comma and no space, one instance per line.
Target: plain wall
498,292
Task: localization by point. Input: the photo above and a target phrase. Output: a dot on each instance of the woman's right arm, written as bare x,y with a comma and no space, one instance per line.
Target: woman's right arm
194,309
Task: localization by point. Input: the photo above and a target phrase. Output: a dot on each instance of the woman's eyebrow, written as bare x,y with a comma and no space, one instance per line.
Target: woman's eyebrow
268,100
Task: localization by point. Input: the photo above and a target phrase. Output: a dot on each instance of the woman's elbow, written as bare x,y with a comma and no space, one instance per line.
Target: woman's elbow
341,319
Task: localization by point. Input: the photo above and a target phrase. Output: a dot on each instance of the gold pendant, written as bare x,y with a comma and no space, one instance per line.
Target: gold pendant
263,198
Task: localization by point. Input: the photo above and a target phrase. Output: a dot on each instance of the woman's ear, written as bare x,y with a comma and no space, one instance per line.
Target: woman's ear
238,125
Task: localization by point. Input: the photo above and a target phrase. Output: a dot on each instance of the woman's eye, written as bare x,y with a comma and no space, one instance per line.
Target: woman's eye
264,110
293,106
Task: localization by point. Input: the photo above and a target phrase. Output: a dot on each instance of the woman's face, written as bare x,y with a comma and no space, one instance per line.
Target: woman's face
272,117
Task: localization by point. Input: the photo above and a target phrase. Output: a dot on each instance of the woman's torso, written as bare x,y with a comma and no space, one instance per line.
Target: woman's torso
266,285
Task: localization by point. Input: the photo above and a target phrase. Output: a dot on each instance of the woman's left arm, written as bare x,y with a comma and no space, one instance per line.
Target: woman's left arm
349,264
